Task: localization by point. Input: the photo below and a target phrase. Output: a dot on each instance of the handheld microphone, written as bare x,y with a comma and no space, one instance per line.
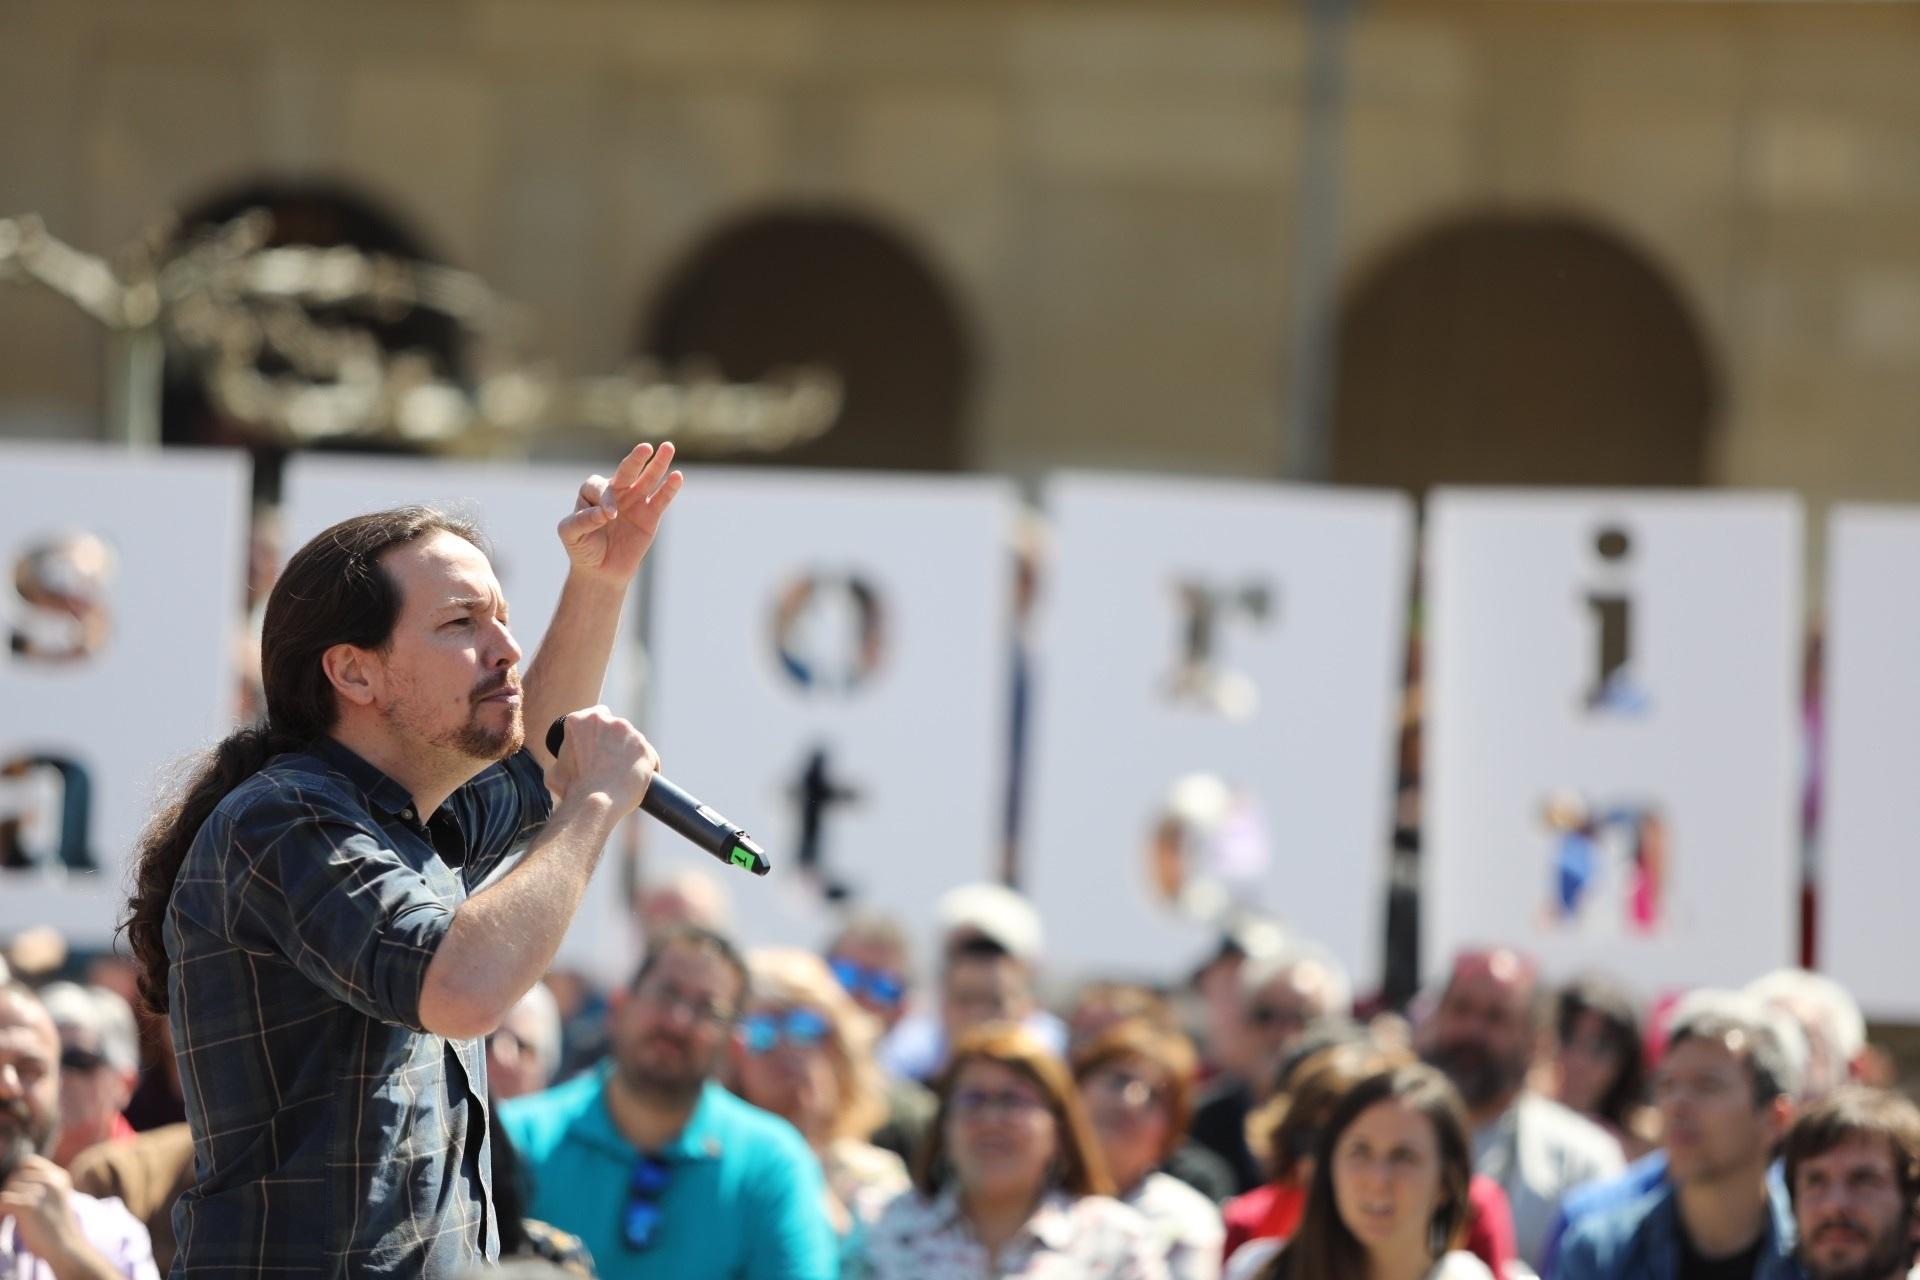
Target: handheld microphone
680,811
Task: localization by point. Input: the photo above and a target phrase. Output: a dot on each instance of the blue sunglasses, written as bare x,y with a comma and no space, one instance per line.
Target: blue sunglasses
763,1032
877,985
640,1219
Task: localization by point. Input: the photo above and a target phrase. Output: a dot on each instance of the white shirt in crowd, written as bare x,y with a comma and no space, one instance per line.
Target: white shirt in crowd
1538,1151
1187,1224
1251,1258
1067,1238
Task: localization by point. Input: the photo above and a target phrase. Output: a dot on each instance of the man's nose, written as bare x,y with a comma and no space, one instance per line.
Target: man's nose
10,1081
506,648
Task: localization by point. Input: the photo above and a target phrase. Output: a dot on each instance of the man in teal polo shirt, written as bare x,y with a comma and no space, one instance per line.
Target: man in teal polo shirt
658,1169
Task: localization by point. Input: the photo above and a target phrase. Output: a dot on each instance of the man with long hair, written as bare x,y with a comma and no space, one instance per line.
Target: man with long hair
301,911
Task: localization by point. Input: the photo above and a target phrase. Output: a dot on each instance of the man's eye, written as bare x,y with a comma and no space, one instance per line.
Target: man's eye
457,622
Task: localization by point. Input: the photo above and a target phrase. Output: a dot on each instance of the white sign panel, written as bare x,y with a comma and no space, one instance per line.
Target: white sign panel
1870,806
1214,730
1611,744
121,604
518,507
831,672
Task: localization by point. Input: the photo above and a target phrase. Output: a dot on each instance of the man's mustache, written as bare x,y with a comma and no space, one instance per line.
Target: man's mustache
1840,1224
507,681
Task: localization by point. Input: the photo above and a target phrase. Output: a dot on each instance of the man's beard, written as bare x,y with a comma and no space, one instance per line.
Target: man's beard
477,742
664,1084
1477,1074
18,1139
472,740
1890,1255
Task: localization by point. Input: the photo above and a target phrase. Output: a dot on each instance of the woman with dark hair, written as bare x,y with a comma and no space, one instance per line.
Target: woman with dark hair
1597,1062
1011,1182
1288,1131
1388,1196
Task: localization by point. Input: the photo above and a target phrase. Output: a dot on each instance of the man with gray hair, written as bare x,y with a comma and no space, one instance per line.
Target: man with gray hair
523,1053
1827,1013
1281,995
1725,1091
99,1066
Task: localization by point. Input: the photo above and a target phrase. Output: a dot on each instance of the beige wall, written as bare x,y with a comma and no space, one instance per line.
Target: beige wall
1106,188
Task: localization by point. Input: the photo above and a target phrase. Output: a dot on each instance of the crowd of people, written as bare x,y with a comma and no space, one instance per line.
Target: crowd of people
758,1112
354,1055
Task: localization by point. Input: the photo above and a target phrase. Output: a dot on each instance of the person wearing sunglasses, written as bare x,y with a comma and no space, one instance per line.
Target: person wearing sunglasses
659,1170
1280,995
1012,1183
869,957
871,960
99,1066
1137,1080
804,1051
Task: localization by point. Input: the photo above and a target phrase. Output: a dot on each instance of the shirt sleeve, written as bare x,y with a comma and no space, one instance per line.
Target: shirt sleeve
500,811
318,882
1579,1257
118,1237
1490,1225
794,1240
1142,1261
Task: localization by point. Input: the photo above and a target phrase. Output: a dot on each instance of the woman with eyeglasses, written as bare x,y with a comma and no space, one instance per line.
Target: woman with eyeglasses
1388,1194
804,1051
1137,1082
1011,1183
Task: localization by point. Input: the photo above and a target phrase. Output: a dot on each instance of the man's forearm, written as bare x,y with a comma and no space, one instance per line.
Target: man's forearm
504,938
567,673
83,1262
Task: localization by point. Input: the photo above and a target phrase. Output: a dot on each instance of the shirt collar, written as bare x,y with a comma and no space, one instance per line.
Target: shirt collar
699,1139
1051,1224
946,1207
380,790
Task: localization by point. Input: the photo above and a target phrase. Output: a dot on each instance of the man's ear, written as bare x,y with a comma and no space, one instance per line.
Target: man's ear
355,673
1780,1114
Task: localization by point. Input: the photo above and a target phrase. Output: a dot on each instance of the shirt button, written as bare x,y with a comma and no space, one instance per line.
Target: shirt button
407,814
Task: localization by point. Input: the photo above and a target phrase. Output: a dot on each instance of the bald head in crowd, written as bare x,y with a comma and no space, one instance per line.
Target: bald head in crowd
1482,1033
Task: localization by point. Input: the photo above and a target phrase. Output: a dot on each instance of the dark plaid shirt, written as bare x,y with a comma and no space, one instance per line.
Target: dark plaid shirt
332,1134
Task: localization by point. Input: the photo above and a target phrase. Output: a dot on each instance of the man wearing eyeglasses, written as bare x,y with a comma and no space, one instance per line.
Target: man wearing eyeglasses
656,1167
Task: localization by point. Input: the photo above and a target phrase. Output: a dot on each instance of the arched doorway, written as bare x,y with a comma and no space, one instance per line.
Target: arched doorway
789,288
1507,349
324,215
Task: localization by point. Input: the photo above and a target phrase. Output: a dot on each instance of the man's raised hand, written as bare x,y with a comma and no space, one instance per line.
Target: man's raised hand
614,520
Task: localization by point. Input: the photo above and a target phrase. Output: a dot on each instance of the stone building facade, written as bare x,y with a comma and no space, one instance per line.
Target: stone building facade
1631,242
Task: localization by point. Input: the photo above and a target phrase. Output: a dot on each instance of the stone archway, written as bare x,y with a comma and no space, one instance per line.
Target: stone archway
1506,349
788,287
321,214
